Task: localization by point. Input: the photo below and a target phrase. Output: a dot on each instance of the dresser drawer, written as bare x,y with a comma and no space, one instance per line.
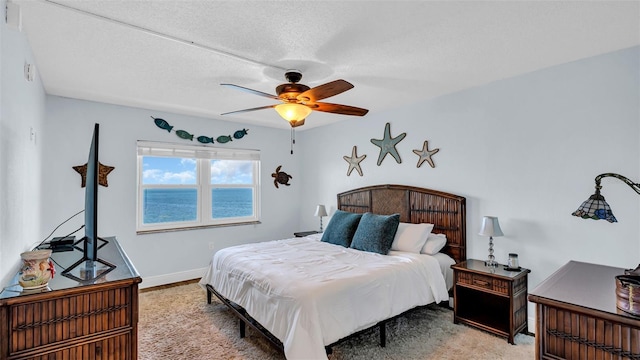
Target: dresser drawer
52,321
113,347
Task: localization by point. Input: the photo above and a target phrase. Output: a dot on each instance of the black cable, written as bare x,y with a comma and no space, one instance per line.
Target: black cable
69,234
54,230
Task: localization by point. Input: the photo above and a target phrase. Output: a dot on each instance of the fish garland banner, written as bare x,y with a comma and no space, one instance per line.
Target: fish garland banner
222,139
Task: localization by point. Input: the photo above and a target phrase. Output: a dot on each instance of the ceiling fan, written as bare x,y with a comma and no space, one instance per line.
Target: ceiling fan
298,100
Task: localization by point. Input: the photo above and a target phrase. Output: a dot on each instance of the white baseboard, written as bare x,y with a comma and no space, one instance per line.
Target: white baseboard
531,325
151,281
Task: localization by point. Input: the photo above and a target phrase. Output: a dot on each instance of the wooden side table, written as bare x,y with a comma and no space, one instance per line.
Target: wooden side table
305,233
490,298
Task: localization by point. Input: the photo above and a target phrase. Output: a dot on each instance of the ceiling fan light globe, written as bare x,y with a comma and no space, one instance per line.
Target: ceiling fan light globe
293,112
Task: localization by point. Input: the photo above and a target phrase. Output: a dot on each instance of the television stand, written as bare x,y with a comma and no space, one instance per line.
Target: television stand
90,272
100,246
92,269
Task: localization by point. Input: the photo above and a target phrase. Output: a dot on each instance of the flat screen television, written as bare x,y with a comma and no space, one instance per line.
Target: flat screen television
90,266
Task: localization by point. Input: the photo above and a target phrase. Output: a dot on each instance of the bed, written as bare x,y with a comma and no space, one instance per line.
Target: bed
305,295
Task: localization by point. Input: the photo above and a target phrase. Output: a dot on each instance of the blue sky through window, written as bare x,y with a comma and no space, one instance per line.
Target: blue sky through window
167,170
181,171
231,172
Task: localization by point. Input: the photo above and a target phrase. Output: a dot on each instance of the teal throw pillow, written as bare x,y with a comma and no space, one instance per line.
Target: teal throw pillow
375,233
341,228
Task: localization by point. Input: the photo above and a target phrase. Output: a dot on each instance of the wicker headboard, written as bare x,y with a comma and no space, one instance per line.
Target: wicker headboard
415,205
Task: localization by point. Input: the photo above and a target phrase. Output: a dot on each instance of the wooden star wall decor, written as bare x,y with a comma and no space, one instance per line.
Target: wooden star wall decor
103,171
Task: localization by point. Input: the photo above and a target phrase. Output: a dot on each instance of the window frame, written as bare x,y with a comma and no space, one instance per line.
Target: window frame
203,156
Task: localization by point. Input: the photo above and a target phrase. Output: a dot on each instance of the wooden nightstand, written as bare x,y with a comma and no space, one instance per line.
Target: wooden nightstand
490,298
305,233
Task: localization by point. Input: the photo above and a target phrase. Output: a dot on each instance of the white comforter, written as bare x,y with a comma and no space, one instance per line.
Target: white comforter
310,294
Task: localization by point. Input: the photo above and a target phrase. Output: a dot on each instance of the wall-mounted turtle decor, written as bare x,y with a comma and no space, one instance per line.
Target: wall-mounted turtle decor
425,154
354,161
280,177
183,134
103,171
388,144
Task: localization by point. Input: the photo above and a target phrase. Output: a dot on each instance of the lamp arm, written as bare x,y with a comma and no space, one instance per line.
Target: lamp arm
634,186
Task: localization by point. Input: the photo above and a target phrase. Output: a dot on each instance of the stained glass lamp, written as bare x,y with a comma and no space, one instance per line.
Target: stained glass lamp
595,207
490,228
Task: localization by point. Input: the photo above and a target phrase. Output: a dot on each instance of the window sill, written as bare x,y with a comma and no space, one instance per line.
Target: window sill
199,227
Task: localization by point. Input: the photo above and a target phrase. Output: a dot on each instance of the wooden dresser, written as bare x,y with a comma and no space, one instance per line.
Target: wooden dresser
577,318
95,319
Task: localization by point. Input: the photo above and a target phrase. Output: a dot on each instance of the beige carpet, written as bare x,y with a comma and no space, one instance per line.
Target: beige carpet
177,323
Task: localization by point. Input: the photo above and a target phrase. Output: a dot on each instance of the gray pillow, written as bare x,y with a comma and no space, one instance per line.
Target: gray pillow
375,233
341,228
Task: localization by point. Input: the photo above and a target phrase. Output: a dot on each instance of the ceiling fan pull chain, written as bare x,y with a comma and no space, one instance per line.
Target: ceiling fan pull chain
293,138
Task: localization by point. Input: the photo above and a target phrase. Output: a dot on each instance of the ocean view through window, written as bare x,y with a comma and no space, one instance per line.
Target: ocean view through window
181,187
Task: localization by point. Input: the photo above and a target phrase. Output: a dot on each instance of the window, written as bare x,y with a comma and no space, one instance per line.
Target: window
181,187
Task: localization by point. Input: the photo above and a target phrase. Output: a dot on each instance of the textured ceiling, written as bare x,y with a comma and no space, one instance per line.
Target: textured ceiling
393,52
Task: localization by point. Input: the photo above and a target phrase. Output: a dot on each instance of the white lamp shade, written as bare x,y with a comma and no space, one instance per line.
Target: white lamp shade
490,227
321,211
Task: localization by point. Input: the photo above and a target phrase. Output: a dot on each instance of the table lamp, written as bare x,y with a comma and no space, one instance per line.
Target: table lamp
321,211
490,228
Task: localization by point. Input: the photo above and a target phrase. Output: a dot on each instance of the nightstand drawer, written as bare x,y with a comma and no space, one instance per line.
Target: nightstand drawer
485,282
481,281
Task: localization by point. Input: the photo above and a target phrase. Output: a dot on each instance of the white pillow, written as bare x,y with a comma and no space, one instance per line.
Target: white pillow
434,243
411,237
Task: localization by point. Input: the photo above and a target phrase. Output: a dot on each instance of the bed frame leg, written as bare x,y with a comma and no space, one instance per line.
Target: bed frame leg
242,328
383,335
208,296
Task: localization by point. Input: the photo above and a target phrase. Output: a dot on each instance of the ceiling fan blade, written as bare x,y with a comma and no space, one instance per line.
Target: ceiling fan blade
338,109
325,90
252,109
251,91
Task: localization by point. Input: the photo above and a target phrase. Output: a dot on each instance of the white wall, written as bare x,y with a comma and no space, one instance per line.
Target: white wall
525,149
22,109
163,257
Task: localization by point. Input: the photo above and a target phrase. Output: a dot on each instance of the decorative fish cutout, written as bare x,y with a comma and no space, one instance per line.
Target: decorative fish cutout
162,124
184,135
224,139
240,133
205,139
